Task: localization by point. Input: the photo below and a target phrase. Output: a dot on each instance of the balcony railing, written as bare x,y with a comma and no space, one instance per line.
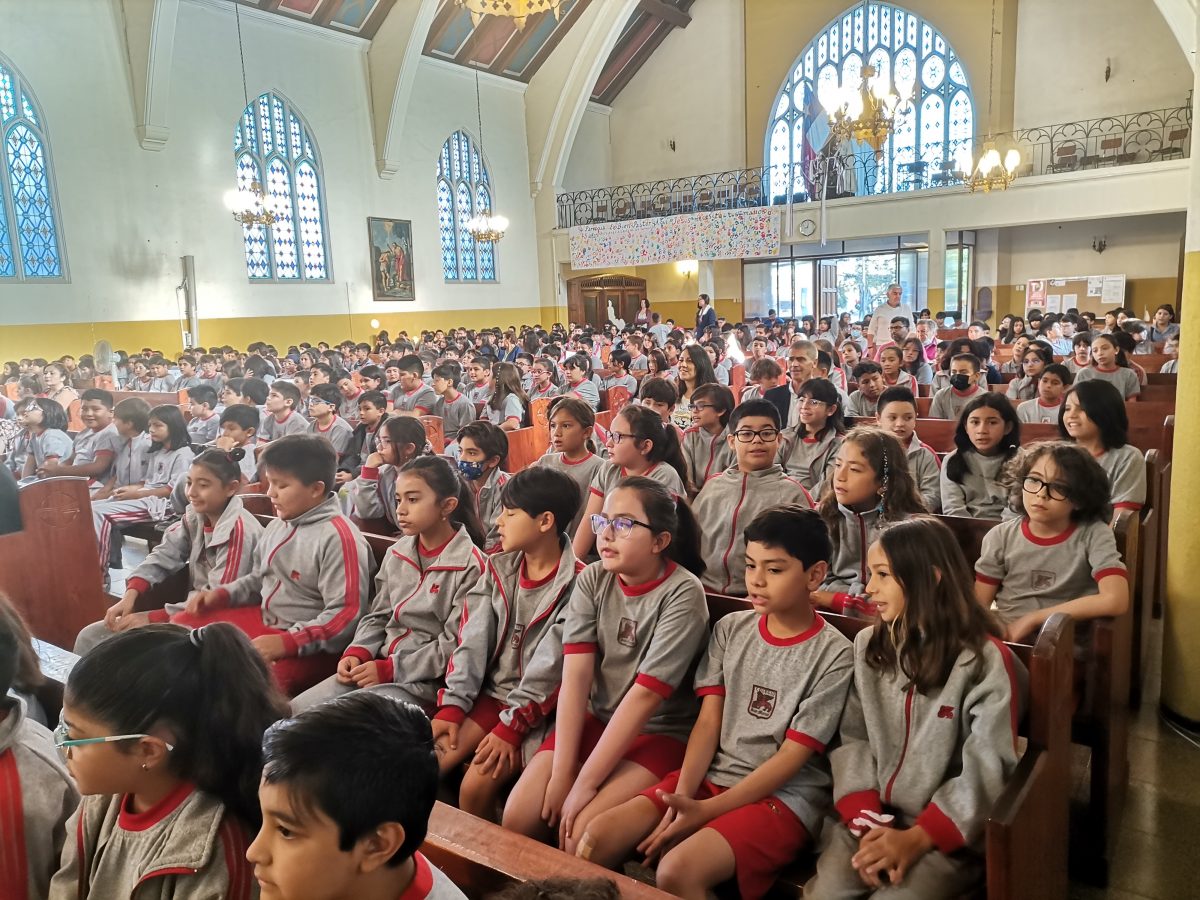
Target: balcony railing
1072,146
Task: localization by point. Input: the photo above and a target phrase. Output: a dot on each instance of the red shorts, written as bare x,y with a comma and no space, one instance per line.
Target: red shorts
294,674
486,712
660,754
764,836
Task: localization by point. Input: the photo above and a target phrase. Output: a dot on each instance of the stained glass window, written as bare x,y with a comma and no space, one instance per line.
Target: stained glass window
273,145
464,189
929,132
30,239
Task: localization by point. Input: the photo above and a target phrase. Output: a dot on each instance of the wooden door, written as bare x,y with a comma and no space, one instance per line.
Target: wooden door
827,292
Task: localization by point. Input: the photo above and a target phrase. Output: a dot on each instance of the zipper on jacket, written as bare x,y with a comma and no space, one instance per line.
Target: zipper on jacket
908,702
862,546
733,533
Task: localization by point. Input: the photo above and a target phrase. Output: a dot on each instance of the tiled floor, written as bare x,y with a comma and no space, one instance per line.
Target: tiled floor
1160,834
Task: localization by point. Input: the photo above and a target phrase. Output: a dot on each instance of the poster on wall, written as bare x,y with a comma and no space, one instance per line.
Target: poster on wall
1035,295
390,245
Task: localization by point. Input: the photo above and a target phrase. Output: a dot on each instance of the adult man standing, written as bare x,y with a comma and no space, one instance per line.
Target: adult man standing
881,319
706,316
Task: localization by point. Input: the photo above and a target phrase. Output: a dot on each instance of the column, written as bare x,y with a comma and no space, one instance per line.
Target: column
935,274
1181,617
706,280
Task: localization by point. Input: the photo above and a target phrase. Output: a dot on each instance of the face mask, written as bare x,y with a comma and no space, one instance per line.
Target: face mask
472,471
959,382
856,333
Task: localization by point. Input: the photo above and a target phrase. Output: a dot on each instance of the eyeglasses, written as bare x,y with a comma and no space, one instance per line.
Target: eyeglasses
621,525
747,436
615,437
811,402
383,442
1054,490
701,407
64,743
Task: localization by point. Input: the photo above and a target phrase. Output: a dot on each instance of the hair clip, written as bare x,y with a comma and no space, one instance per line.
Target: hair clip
237,454
196,636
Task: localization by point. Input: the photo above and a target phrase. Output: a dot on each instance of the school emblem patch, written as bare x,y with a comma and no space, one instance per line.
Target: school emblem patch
946,712
1042,580
295,575
627,632
762,702
518,633
435,588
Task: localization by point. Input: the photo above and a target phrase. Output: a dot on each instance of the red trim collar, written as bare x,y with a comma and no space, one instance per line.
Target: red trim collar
1045,542
765,633
1106,371
422,884
575,462
422,550
132,821
528,583
637,590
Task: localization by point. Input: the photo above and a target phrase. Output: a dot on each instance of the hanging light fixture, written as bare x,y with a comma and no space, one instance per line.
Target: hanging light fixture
866,113
484,227
989,172
517,10
250,205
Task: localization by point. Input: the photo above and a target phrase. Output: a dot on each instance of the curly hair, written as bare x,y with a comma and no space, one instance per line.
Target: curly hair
1086,481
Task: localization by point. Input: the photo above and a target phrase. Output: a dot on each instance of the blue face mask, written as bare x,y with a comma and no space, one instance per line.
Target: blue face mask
472,471
856,333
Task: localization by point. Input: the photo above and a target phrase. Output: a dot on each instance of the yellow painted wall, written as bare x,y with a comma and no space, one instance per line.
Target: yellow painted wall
52,341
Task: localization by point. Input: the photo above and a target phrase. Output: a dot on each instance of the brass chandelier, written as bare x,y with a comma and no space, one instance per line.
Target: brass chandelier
989,173
866,113
517,10
250,206
484,226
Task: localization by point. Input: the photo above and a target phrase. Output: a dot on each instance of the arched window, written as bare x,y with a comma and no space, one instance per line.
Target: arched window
928,132
464,188
273,145
30,237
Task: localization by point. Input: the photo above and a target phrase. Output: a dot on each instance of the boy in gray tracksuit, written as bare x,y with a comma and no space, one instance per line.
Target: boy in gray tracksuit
732,499
898,417
964,735
38,795
410,630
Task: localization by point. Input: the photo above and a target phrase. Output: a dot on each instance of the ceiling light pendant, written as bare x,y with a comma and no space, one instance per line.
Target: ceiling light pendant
517,10
989,172
484,226
250,206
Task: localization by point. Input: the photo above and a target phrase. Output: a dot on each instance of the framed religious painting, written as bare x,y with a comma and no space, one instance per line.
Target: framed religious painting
390,245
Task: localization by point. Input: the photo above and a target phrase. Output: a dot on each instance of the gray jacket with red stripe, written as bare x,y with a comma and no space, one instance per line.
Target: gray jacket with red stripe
510,644
415,618
187,848
705,455
848,575
213,557
37,797
937,760
313,574
728,503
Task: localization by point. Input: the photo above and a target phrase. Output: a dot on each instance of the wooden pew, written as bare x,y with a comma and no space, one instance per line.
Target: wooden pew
539,420
1025,835
174,398
524,449
50,569
616,399
483,858
434,433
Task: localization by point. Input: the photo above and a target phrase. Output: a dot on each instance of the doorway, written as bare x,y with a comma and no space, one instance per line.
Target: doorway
589,296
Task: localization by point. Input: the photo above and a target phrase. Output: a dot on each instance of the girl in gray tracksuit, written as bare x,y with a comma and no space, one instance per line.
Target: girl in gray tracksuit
928,736
373,492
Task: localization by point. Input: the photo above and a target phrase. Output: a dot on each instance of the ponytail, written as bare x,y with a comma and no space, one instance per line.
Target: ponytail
444,480
222,463
647,425
209,687
403,430
670,513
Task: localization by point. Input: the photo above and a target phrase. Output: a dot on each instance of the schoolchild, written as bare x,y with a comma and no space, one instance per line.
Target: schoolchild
870,486
162,730
734,497
986,438
755,783
545,379
912,824
214,541
508,406
239,429
335,823
411,394
45,438
808,451
1095,418
204,423
705,446
482,457
324,401
891,361
131,417
640,443
96,447
898,417
964,386
373,493
497,694
280,417
308,587
1036,358
1081,353
864,399
403,643
1109,363
661,396
372,413
1059,554
572,450
578,371
479,386
619,361
350,391
455,409
635,624
1046,407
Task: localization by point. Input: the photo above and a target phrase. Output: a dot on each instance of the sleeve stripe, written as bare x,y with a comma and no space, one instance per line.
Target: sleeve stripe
1014,701
987,579
805,740
580,648
233,554
350,601
713,690
649,682
1111,570
1127,504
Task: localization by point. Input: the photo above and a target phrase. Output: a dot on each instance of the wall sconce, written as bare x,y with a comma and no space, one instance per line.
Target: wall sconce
687,267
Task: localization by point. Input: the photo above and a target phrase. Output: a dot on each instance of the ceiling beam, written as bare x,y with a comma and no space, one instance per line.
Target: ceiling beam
668,12
148,31
630,66
392,68
375,18
633,53
445,15
515,43
482,35
556,35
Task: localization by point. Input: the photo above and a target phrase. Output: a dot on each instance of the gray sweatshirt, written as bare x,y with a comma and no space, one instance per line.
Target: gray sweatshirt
727,504
948,403
965,732
417,611
705,455
1124,380
848,575
506,620
809,459
980,495
37,799
926,472
313,574
1126,470
374,494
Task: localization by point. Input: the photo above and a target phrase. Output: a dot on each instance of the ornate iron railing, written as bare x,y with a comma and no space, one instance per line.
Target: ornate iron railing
1071,146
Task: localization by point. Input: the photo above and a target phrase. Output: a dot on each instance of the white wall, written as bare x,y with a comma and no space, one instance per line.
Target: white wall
128,214
590,162
690,91
1062,48
1138,247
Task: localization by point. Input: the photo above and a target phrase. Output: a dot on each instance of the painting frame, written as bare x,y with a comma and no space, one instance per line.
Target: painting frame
390,250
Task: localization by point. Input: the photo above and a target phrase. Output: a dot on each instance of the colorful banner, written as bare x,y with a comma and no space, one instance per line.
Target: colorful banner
724,234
